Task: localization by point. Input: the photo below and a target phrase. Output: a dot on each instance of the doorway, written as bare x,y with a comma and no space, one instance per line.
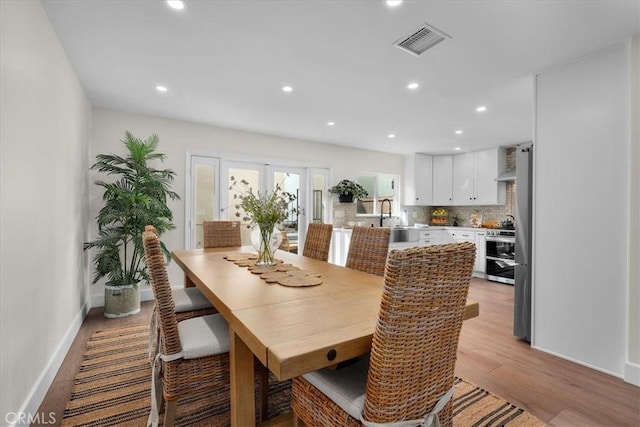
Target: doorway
210,197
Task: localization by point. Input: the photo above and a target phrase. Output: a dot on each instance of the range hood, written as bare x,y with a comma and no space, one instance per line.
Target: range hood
509,175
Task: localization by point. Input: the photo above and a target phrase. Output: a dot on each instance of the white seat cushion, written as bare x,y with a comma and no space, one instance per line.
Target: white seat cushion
345,386
188,299
203,336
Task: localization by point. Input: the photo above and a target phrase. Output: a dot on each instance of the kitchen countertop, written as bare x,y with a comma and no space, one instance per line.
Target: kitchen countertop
431,227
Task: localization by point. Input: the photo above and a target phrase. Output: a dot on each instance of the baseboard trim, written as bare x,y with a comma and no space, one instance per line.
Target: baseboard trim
579,362
632,373
43,383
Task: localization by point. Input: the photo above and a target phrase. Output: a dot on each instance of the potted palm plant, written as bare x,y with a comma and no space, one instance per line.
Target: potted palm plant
348,190
136,198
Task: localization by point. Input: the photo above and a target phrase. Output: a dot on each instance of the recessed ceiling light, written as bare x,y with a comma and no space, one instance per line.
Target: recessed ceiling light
161,88
331,123
176,4
393,3
391,135
458,132
481,108
457,148
287,89
413,85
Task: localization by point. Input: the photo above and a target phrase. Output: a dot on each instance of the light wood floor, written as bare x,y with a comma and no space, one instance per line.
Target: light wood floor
559,392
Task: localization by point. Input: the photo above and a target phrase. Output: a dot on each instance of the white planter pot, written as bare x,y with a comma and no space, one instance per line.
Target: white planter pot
121,301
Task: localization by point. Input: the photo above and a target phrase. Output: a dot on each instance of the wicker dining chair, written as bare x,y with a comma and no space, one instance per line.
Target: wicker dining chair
221,234
188,302
318,240
193,353
368,249
409,374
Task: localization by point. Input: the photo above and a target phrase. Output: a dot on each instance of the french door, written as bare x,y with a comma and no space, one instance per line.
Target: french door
204,183
211,198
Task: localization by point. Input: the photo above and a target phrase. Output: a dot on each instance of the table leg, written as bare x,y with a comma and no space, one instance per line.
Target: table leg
188,283
242,382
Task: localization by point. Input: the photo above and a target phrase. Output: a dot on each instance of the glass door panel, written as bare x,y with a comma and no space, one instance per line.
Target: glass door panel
204,194
253,174
319,195
291,180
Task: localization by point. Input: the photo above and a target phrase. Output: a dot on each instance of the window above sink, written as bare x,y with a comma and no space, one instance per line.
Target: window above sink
380,187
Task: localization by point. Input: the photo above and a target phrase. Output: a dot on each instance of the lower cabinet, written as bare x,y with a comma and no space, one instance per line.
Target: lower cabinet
481,253
341,239
339,248
431,237
453,235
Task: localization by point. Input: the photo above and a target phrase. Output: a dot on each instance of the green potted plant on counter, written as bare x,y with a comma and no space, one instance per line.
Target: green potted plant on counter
348,190
136,198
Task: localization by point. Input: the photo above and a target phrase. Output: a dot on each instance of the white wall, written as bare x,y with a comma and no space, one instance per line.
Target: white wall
582,152
179,137
45,121
632,373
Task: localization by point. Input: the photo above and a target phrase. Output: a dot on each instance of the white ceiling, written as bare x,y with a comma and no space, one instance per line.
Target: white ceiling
224,63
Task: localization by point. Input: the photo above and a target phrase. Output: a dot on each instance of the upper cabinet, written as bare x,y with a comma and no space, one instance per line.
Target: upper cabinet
489,164
460,180
464,179
418,188
443,180
474,178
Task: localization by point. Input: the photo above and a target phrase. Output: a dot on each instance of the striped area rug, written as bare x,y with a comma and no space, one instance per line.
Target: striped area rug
113,385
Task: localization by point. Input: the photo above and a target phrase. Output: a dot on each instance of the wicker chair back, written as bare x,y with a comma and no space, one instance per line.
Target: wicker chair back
221,234
318,240
170,343
368,249
415,343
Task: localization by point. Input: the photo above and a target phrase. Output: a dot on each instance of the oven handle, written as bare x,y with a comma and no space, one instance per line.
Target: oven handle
509,262
500,239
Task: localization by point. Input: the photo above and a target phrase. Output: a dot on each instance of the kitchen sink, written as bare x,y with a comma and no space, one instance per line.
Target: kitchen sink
404,234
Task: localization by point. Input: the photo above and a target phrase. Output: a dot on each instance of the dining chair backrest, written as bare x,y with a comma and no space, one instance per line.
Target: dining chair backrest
368,249
318,241
415,342
221,234
154,257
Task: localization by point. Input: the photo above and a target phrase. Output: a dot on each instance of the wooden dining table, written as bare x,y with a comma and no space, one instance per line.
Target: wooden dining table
291,330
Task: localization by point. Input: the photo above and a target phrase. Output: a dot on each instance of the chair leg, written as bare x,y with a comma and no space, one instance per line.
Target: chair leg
264,395
170,413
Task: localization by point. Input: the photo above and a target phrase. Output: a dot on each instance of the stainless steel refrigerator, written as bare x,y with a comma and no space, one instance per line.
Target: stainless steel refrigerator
524,209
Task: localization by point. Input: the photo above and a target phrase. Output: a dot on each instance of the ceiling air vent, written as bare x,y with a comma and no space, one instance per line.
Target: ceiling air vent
421,39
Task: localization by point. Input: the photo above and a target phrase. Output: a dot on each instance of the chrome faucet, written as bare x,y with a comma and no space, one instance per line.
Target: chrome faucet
382,210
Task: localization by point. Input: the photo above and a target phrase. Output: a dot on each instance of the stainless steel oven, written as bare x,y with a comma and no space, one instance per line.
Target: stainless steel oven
501,256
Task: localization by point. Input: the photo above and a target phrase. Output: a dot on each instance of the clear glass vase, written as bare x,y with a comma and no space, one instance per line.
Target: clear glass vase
266,241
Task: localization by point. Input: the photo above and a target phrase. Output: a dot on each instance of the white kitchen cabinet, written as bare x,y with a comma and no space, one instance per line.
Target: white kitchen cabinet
431,237
477,237
454,235
442,180
489,165
339,247
463,179
418,173
474,178
480,267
